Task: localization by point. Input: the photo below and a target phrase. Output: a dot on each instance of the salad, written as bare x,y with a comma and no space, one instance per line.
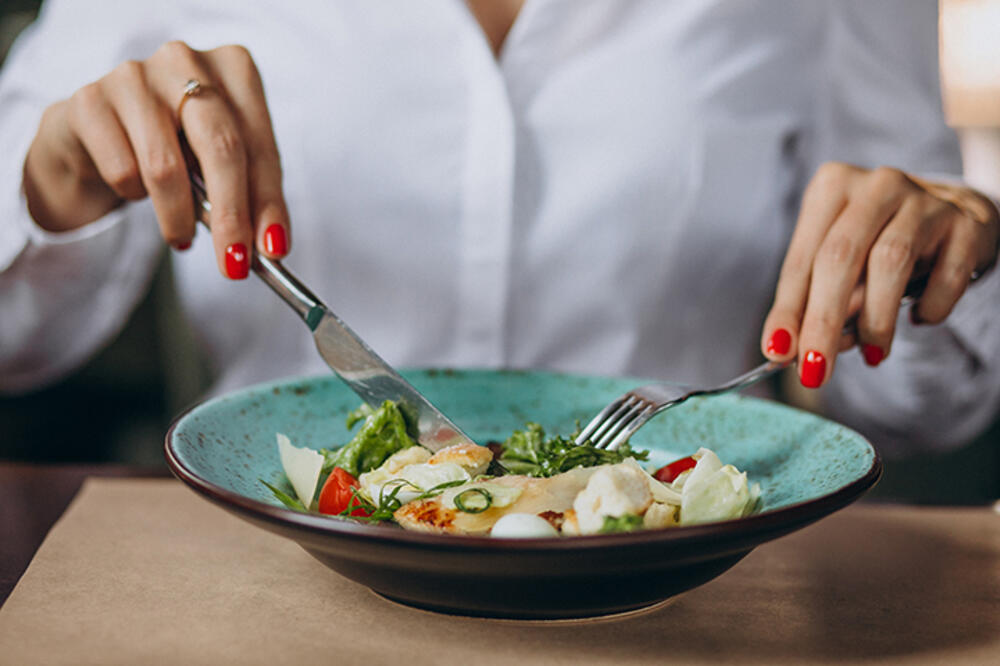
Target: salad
530,485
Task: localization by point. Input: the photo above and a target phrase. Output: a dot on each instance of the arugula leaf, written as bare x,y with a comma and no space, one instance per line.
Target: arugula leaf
626,523
383,433
291,502
531,453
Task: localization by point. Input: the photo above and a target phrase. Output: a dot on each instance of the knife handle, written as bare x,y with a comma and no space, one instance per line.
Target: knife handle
271,271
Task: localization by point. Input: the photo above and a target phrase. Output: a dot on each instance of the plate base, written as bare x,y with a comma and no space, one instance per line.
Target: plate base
612,616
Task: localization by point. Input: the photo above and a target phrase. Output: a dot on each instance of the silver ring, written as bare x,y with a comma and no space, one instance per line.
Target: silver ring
191,89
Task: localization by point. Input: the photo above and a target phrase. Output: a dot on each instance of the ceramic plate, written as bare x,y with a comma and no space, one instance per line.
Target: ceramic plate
807,467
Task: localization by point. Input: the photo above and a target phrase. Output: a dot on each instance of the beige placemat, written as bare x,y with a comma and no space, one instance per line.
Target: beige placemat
146,572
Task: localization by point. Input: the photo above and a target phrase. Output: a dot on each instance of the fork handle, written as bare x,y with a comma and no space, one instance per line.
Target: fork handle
768,368
913,291
762,371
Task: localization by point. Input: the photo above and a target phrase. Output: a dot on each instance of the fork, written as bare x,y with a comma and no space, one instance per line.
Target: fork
616,423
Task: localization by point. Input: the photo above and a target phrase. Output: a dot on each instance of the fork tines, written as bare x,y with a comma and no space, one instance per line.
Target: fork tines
621,417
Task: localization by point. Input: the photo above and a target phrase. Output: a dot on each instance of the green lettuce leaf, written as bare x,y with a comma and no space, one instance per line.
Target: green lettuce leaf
383,433
627,523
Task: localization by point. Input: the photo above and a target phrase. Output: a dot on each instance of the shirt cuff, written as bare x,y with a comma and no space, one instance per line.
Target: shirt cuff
22,236
13,208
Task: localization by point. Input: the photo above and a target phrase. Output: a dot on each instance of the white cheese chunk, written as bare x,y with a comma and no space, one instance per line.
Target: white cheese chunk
615,490
522,526
302,467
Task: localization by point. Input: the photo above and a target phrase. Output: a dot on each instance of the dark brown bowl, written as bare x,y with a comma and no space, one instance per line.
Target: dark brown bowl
807,467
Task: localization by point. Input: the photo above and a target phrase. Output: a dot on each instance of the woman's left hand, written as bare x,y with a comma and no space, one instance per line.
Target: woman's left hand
861,237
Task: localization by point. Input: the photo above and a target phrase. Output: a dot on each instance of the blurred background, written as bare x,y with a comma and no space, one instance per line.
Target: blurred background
118,406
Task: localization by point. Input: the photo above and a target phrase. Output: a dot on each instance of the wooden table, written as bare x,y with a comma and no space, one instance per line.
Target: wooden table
32,497
146,571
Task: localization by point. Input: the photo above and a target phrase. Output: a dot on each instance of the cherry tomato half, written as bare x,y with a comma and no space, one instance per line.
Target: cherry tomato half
337,493
668,473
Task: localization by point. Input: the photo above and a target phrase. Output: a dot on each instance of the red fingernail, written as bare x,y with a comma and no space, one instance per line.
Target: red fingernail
275,240
180,247
873,354
813,369
237,261
780,342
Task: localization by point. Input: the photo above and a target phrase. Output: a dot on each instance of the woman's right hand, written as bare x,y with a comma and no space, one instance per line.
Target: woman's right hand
117,140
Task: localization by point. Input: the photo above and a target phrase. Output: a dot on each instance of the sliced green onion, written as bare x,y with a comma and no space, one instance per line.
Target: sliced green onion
472,504
291,502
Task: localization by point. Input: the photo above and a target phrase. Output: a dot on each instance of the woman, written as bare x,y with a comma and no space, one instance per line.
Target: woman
604,188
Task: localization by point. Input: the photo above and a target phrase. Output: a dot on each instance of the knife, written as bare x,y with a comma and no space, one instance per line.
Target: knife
348,356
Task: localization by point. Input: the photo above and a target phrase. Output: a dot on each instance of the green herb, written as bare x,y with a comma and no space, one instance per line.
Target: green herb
388,502
283,497
627,523
383,433
473,504
529,452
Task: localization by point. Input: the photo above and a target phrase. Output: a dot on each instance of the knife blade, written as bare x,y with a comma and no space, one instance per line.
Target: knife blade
344,351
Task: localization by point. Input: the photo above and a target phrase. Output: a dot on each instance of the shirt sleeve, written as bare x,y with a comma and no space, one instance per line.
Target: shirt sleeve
62,295
880,105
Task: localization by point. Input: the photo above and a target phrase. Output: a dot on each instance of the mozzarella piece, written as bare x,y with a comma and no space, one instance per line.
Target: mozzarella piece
522,526
302,467
613,491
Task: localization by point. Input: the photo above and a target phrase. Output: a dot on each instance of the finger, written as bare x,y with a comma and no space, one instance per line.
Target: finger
95,123
891,263
952,270
849,333
214,138
62,187
837,268
234,68
824,199
153,136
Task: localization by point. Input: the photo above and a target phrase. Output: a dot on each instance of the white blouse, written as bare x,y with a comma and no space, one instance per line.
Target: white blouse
613,194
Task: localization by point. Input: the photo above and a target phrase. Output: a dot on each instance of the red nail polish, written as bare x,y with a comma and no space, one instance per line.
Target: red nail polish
813,369
237,261
180,247
780,342
873,354
275,240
